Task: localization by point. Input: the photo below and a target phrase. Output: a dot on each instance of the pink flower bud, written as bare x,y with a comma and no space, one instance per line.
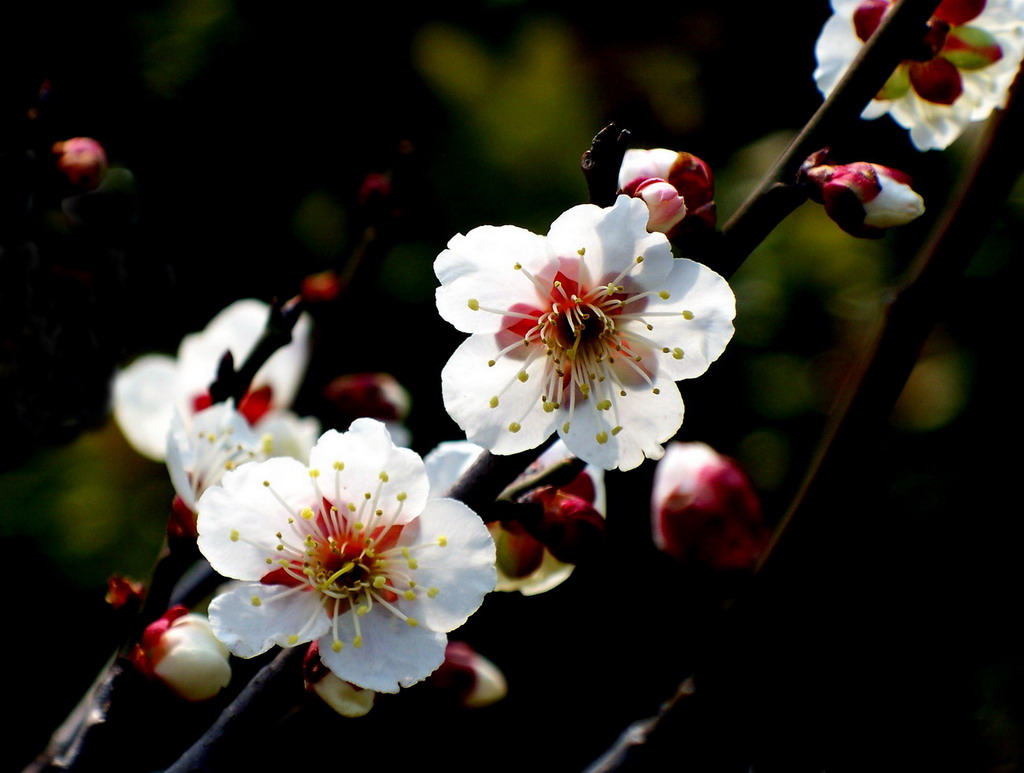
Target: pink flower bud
82,160
180,650
704,510
666,205
687,176
862,198
475,680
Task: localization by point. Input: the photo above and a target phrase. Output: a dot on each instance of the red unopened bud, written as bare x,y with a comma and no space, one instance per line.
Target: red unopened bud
322,287
344,697
568,526
374,395
704,510
82,160
122,591
957,12
181,526
474,679
863,199
180,650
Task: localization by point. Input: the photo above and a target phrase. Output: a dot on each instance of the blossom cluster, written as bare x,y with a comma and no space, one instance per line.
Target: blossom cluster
348,552
960,73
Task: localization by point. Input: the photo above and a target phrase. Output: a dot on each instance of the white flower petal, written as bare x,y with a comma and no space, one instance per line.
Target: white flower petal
144,400
283,616
446,464
462,581
393,655
371,463
238,520
641,164
470,387
464,275
613,237
290,435
647,420
699,310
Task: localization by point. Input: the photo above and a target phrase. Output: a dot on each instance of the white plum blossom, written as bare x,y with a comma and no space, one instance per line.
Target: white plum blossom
963,71
205,446
349,552
147,393
583,331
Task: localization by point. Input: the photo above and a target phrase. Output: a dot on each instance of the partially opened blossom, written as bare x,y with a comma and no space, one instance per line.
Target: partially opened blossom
348,552
864,199
524,563
147,392
957,74
678,188
583,331
180,650
202,448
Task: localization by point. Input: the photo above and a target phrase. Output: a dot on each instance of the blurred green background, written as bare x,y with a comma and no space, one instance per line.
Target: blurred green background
239,136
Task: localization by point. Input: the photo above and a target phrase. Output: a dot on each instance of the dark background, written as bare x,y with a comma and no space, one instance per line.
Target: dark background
238,138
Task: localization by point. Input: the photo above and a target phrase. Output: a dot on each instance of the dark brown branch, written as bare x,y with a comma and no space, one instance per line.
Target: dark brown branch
231,383
277,683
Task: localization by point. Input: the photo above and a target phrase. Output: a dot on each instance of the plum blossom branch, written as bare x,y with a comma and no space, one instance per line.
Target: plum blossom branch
232,382
778,194
916,306
870,394
234,718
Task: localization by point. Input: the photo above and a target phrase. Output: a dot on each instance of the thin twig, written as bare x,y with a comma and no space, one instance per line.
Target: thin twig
601,164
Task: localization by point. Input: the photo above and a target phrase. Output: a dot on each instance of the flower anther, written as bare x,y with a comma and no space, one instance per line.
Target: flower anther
583,332
349,552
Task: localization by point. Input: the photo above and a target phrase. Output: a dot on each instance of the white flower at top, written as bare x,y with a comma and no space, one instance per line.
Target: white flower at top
962,71
147,392
583,331
349,552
